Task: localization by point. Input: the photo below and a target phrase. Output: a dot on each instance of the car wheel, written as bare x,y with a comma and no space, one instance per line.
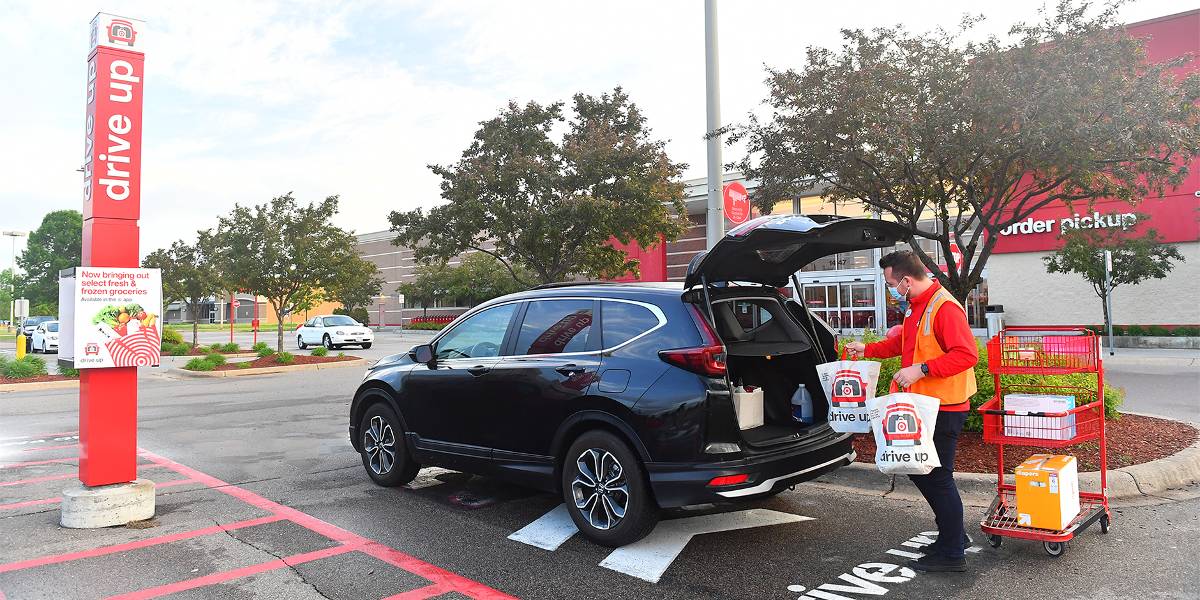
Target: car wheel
300,343
605,488
384,453
328,343
366,346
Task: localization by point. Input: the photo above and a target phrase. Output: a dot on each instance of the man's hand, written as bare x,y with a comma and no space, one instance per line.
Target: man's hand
856,349
908,375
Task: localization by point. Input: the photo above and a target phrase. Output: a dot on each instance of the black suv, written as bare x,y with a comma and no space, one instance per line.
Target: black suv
619,396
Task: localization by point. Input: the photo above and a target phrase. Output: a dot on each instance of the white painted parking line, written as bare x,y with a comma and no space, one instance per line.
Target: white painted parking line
549,531
427,478
650,557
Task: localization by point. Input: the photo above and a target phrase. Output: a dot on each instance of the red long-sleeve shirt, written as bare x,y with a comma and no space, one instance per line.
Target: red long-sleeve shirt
952,332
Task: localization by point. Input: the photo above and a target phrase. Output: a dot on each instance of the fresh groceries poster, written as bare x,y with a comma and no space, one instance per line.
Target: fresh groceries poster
117,317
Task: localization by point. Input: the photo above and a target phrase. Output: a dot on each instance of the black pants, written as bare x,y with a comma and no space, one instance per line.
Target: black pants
939,489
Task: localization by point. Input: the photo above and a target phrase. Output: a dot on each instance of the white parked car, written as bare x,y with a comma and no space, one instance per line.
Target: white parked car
45,337
333,331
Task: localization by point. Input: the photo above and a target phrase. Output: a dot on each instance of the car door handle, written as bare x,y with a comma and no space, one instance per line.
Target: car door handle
570,370
478,370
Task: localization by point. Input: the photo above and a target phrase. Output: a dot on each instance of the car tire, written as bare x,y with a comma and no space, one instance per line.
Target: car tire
391,465
366,346
300,343
328,343
617,509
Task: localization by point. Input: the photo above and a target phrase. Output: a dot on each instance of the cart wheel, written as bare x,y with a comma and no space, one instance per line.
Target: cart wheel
995,541
1054,548
1105,523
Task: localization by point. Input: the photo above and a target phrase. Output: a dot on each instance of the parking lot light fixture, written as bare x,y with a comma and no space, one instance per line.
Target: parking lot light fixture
12,276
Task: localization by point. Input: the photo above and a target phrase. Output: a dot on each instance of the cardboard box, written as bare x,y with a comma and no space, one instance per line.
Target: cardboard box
1047,491
749,407
1048,428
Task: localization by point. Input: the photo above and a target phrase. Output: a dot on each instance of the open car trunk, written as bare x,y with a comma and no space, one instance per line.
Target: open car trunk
769,345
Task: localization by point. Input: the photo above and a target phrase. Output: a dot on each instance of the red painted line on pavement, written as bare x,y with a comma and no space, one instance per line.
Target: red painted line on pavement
223,576
37,448
154,541
391,556
31,463
428,591
30,503
39,479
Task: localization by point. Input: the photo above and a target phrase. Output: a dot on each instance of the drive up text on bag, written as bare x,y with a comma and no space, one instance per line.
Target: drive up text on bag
903,423
848,385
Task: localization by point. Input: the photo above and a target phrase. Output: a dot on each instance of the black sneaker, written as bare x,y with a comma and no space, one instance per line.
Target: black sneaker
935,563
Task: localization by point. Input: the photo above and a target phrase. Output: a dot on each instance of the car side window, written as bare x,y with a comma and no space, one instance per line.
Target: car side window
481,335
624,321
555,326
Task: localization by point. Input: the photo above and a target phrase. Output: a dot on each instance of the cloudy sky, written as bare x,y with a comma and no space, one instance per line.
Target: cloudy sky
248,100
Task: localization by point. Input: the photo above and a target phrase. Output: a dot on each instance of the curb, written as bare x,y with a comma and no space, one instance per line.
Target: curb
1147,479
341,364
1164,361
39,385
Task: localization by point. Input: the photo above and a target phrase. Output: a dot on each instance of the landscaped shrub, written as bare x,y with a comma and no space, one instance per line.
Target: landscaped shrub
1118,330
260,346
170,336
216,347
264,351
320,351
177,349
426,326
199,364
230,348
1157,330
1135,330
1186,331
285,358
68,372
30,366
216,358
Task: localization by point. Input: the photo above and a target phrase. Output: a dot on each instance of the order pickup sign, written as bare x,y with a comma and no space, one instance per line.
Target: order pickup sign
110,317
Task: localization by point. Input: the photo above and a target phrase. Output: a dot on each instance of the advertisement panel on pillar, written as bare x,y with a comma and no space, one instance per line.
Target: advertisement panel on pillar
117,317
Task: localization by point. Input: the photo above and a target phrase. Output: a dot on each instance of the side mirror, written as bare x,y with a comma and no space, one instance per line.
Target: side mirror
423,353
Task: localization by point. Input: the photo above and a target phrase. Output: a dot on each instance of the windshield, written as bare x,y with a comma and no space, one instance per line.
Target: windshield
338,320
53,327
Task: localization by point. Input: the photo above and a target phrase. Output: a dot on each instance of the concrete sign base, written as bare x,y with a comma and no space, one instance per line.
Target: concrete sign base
86,507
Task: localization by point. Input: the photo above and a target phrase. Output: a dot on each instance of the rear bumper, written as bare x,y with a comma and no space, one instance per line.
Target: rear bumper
678,484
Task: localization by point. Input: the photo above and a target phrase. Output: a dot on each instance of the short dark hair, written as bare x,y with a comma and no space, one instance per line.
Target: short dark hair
904,263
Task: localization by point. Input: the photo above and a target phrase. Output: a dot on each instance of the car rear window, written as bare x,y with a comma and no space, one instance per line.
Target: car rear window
624,321
555,326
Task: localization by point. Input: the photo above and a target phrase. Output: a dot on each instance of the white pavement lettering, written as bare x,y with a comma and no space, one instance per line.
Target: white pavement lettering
550,531
650,557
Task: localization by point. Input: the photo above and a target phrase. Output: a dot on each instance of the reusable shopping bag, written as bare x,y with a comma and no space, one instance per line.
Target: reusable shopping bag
903,423
848,385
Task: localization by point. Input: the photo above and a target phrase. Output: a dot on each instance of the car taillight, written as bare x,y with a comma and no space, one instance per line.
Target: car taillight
708,358
728,480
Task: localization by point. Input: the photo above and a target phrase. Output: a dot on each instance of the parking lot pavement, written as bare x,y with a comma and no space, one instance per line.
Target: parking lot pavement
280,442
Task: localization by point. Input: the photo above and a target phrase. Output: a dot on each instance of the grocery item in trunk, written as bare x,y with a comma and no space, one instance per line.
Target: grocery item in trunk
748,404
802,406
849,385
903,423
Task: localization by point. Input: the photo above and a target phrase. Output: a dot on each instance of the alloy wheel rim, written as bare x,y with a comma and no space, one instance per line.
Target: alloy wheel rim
379,442
600,490
328,343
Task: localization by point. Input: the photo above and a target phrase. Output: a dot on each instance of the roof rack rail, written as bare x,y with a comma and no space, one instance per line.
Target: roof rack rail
560,284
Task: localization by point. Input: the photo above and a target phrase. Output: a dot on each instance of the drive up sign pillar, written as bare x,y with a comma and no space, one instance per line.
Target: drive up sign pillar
111,209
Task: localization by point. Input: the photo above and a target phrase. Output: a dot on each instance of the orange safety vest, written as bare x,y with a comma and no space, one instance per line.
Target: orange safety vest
951,390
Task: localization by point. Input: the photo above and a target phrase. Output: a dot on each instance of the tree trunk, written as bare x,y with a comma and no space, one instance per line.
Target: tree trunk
195,333
1104,310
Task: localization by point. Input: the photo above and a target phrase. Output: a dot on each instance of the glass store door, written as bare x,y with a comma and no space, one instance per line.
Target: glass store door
845,305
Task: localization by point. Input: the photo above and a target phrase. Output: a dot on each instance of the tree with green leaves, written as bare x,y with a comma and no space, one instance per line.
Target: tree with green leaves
430,283
191,275
553,205
283,251
978,134
1134,258
481,277
356,283
6,289
55,245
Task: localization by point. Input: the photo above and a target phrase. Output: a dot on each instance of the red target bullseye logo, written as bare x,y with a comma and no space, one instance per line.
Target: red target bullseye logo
139,349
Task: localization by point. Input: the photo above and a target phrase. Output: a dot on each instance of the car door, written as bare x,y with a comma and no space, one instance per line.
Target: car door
553,361
447,403
308,331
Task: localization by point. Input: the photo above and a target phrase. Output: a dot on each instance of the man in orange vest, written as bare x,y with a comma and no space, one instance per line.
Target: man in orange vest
937,358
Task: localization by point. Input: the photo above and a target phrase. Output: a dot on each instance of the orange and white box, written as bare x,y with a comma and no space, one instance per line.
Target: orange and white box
1047,491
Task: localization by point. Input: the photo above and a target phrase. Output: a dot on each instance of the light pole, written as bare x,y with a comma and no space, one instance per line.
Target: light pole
715,220
12,275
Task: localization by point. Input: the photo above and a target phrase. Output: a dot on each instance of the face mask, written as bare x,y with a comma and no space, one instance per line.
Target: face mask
896,295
